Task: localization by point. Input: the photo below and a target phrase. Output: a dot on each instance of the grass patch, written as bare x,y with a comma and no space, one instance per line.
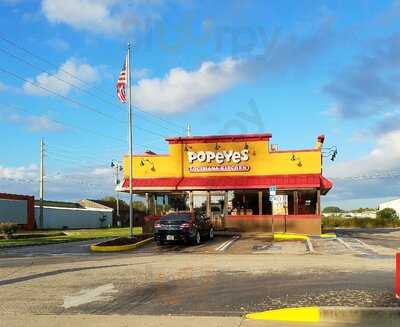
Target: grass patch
69,236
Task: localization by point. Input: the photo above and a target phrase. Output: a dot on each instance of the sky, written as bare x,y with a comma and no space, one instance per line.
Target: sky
295,69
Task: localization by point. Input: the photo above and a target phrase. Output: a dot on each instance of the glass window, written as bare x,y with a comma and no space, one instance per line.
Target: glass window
178,201
243,203
200,202
307,202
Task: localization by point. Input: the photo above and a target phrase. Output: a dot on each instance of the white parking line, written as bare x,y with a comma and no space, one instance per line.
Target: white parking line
369,247
227,244
344,243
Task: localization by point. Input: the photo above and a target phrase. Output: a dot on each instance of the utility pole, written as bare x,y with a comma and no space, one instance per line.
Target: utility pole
41,179
189,130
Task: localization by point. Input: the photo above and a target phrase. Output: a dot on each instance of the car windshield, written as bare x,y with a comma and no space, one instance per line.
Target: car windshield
176,217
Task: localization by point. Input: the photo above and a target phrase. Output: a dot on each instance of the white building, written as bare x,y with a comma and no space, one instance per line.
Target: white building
394,204
85,214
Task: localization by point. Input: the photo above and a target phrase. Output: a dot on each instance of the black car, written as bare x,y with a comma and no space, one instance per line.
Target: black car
188,227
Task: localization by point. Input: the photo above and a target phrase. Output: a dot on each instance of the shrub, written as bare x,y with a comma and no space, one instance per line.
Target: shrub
388,214
8,228
334,221
332,210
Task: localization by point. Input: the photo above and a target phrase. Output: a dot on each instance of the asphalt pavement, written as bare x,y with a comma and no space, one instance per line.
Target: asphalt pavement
226,277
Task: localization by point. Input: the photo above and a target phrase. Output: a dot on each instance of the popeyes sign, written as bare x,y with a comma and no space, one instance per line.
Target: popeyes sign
224,161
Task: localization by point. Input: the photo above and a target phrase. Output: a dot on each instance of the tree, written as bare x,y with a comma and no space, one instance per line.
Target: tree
139,205
387,214
111,202
332,210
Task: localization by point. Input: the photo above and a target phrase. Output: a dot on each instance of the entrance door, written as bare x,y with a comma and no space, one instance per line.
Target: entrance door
217,205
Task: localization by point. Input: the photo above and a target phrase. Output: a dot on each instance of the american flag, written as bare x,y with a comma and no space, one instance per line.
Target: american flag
121,84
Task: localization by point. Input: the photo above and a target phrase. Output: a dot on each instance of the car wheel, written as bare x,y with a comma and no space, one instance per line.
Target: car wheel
211,235
197,238
159,243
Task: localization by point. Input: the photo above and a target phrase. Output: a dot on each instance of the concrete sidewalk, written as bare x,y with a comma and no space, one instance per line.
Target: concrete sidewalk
137,321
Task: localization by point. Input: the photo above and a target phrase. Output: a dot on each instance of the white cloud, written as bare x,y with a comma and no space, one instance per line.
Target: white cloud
385,156
37,123
108,171
140,73
19,173
375,175
65,184
55,82
89,15
181,89
109,17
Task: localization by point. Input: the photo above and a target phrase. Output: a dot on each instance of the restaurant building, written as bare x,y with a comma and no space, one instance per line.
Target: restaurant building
232,179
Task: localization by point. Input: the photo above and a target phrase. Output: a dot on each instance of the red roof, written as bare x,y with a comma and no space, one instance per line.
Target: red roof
231,182
220,138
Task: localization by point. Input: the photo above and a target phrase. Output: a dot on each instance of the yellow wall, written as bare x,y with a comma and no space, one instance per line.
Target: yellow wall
261,161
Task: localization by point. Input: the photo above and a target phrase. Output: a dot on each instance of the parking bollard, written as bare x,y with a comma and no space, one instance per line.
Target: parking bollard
398,276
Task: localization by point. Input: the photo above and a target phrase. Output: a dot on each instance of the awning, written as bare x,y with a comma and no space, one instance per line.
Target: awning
326,185
300,181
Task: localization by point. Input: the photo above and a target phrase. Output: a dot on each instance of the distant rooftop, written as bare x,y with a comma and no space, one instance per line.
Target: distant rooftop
61,204
85,203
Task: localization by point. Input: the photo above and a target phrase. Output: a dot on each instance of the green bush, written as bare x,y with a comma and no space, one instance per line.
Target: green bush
388,214
334,221
332,210
8,228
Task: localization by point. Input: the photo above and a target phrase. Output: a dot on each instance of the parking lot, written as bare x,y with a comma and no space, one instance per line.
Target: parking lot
228,276
355,242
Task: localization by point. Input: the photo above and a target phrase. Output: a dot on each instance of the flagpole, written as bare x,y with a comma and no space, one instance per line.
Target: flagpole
130,141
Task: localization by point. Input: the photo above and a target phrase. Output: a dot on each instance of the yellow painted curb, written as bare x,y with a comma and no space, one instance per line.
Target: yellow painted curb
118,248
285,237
305,314
328,235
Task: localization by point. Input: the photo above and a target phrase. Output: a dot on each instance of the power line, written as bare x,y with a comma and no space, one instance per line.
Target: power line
377,175
72,155
75,153
79,79
79,128
64,97
67,124
76,102
75,86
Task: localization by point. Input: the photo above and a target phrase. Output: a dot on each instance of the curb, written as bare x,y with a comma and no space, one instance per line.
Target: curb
118,248
382,316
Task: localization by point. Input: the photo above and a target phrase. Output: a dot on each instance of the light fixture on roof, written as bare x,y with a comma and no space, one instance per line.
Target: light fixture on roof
144,161
330,152
295,158
246,146
217,146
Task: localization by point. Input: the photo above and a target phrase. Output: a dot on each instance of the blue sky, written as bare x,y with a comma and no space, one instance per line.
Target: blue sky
296,69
